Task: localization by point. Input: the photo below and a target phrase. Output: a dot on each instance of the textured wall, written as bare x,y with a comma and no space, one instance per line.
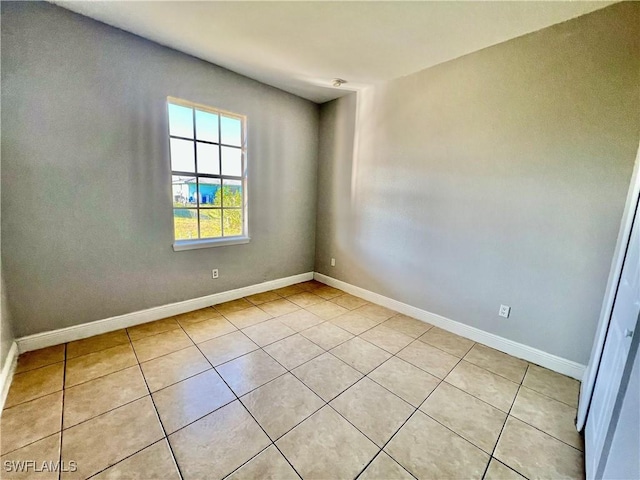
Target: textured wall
6,327
496,178
86,207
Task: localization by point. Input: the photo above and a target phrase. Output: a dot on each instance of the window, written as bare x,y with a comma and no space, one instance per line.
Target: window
208,168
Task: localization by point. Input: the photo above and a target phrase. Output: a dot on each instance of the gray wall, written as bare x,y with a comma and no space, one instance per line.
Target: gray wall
6,326
86,206
499,177
6,329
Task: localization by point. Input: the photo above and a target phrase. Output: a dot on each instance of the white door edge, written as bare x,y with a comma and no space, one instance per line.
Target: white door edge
617,262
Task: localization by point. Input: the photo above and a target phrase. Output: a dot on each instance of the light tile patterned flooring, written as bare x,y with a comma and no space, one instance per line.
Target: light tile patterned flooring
304,381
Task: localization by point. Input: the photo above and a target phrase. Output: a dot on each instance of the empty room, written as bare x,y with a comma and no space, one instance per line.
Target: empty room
320,240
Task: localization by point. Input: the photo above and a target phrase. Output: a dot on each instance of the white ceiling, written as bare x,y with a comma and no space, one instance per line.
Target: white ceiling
301,46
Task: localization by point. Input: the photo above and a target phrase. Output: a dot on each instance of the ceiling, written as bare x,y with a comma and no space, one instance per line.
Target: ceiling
300,47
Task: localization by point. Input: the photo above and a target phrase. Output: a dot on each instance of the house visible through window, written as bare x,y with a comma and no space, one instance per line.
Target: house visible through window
208,165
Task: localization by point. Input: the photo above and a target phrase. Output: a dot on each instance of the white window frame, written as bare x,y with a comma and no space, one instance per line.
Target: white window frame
191,244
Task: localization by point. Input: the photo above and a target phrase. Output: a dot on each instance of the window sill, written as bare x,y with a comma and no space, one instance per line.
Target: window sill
209,242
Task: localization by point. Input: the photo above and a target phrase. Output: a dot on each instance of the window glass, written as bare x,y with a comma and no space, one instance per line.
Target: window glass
232,161
210,193
208,182
182,156
231,129
180,121
185,223
184,191
211,223
232,224
206,126
208,158
232,193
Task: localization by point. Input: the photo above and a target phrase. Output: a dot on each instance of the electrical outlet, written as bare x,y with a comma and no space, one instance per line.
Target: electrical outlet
214,273
504,311
333,262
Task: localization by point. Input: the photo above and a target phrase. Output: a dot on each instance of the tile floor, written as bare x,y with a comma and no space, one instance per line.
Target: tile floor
303,381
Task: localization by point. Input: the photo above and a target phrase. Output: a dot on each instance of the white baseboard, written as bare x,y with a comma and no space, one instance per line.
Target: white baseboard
85,330
533,355
8,370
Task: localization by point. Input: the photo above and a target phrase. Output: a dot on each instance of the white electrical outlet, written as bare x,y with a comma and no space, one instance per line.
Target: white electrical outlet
333,262
504,311
214,273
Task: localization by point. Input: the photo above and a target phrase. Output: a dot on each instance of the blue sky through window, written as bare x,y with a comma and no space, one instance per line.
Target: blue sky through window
180,121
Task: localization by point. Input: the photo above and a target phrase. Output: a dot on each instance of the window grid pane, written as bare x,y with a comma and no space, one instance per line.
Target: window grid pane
208,204
207,126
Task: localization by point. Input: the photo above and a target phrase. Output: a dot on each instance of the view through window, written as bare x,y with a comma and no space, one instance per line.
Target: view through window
208,165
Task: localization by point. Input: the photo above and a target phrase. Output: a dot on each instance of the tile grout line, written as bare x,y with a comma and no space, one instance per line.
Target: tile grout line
40,395
104,375
545,395
388,441
463,358
340,393
435,420
324,351
495,373
452,385
64,387
40,366
130,342
259,347
416,409
273,442
93,475
155,408
547,434
63,361
286,371
30,443
503,427
445,426
359,335
328,403
192,376
477,398
254,419
506,466
458,434
520,387
37,398
382,449
248,461
382,452
106,411
99,350
62,429
318,345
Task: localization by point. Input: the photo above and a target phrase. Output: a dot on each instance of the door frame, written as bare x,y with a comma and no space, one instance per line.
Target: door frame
626,223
